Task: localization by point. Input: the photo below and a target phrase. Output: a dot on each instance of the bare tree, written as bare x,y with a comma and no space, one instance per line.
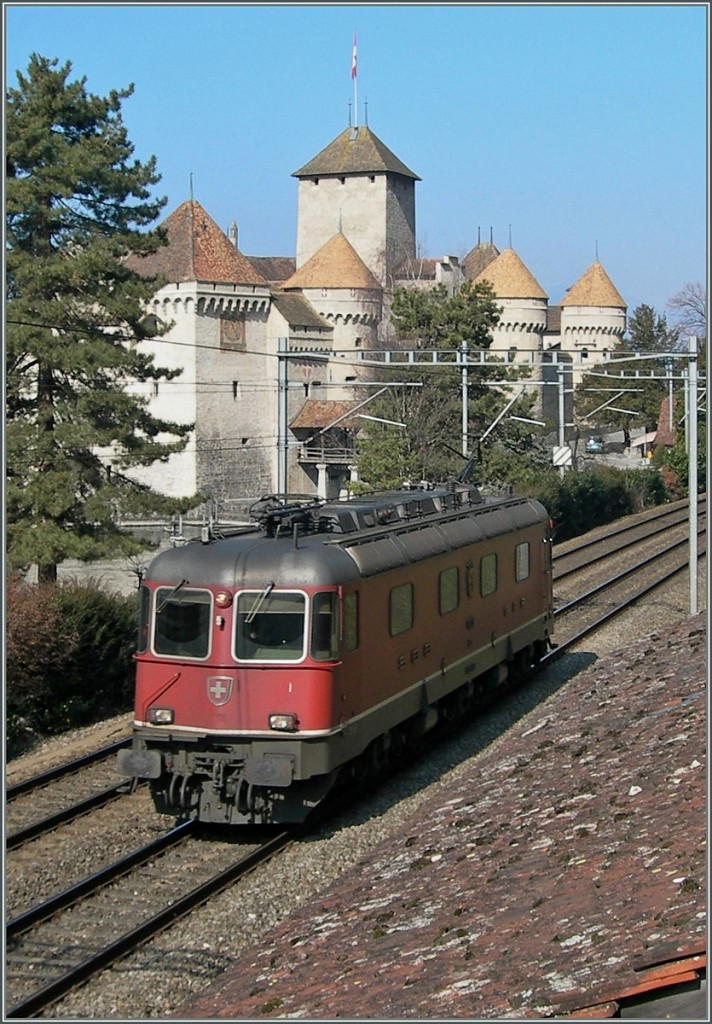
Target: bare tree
689,307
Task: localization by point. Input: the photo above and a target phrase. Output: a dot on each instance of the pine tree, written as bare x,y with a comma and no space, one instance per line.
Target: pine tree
77,204
427,444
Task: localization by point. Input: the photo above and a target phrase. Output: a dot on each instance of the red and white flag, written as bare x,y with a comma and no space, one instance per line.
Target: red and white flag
353,58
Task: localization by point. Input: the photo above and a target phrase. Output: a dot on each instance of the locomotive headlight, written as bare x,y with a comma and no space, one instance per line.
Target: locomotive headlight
223,599
283,723
161,716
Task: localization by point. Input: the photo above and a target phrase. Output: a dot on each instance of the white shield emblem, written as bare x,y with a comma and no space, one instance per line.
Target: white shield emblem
219,689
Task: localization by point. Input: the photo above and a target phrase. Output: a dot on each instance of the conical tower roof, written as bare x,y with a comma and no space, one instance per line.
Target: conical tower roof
355,151
197,250
510,279
593,288
335,265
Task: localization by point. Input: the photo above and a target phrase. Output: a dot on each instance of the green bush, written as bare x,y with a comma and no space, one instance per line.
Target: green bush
68,658
578,502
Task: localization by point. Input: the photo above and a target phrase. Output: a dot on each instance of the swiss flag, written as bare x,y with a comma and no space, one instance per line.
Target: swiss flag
353,58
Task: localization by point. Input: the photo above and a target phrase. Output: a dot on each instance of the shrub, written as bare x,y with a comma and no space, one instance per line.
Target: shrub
580,501
99,681
68,658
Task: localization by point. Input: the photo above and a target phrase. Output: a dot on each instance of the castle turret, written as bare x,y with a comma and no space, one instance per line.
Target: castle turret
593,314
339,286
523,301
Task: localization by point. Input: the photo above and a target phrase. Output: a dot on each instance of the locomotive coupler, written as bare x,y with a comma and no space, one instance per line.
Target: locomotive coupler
218,775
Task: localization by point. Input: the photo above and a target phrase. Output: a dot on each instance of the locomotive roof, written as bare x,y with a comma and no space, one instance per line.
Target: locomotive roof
312,543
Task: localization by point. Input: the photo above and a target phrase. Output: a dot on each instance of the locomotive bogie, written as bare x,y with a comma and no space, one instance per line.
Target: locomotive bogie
290,663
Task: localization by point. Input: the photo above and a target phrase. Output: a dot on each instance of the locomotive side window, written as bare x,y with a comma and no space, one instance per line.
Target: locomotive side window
449,590
488,574
324,635
400,609
182,622
350,622
144,603
269,626
521,561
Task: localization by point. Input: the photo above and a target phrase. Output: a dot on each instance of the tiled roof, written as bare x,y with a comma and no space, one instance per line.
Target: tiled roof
478,258
320,414
354,151
560,871
510,279
273,268
298,312
335,265
593,288
197,250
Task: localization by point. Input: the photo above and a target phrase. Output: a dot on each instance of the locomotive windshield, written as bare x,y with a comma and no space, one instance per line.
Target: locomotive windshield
182,622
272,629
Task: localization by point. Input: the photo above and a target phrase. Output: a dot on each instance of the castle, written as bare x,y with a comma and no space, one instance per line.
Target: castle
269,346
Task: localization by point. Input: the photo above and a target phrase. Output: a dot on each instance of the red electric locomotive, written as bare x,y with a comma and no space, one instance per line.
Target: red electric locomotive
277,661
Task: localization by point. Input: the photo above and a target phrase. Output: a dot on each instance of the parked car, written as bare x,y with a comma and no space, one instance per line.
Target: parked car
595,444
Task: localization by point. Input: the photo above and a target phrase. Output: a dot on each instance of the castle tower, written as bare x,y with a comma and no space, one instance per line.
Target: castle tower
593,314
357,187
338,285
523,301
217,305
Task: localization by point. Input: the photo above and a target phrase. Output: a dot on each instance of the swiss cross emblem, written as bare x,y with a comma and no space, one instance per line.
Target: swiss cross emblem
219,689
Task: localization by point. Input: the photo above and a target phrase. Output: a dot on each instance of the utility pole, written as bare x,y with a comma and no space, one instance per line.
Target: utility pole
463,360
692,466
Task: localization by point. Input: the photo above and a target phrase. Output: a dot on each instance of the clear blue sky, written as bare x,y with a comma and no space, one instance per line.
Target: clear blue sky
578,128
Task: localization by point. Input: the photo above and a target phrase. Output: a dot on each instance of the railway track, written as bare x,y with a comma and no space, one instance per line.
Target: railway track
639,565
617,538
43,964
43,802
117,910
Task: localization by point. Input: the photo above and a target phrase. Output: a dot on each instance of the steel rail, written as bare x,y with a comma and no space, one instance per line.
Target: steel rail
48,908
54,990
563,647
36,781
659,528
624,574
661,512
69,814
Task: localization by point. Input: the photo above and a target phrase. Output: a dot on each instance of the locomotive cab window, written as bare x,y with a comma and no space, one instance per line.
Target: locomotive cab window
269,626
521,561
144,604
400,609
182,622
488,574
449,590
324,631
